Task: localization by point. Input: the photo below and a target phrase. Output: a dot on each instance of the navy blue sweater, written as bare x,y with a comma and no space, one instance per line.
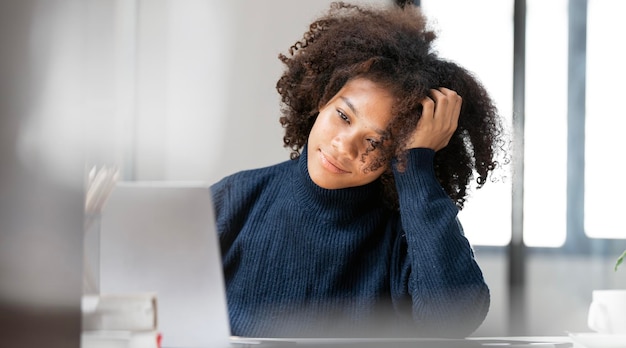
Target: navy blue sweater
300,260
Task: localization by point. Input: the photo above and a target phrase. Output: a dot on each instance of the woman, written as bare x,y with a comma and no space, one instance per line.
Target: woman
357,234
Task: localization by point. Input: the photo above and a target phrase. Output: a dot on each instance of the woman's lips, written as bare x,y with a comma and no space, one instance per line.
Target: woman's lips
330,166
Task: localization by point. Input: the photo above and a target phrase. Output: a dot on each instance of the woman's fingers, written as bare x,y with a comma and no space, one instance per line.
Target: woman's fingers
440,116
448,102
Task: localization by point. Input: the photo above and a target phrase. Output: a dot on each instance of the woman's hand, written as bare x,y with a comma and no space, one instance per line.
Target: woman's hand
439,120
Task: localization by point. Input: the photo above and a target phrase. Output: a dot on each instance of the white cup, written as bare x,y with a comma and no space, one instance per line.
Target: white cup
607,312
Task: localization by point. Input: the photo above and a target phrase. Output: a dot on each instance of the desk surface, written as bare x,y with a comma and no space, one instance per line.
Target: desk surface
473,342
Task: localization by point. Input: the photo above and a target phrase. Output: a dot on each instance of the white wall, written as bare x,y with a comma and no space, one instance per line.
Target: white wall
192,85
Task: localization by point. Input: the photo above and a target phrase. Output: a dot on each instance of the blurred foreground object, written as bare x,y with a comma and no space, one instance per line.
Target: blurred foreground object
41,176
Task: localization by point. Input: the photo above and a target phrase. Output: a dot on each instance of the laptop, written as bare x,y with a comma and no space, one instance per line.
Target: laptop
160,237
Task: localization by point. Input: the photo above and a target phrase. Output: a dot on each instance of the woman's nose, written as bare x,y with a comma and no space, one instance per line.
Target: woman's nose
346,145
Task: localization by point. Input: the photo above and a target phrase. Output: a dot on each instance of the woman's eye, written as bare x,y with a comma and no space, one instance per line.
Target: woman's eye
373,143
343,116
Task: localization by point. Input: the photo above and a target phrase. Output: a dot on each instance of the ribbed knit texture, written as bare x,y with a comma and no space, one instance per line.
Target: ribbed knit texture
300,260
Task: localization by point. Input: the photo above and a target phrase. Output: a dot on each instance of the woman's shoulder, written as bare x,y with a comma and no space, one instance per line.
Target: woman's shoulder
237,192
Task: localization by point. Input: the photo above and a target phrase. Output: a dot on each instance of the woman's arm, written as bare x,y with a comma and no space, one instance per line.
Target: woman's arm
439,274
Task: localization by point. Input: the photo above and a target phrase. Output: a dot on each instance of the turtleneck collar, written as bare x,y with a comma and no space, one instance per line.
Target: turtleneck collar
340,204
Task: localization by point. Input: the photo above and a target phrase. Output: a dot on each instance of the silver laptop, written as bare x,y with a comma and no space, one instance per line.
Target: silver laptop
160,237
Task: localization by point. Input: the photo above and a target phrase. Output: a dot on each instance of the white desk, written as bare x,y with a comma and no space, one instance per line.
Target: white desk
473,342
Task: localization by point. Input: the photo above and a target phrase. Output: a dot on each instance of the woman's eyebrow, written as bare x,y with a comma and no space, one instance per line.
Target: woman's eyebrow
356,113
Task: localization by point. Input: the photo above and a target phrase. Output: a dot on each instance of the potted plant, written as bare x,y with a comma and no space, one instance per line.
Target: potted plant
607,308
620,259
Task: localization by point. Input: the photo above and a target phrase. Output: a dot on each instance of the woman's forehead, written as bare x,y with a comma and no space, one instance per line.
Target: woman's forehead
368,101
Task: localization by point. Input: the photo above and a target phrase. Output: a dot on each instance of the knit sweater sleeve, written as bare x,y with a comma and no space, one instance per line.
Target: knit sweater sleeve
437,275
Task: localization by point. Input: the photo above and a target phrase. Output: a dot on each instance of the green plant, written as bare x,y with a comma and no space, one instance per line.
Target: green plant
620,259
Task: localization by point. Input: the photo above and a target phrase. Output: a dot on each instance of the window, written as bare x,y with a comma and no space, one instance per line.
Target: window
478,35
605,146
545,140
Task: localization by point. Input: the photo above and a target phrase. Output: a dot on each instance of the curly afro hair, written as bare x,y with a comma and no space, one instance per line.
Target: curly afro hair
391,46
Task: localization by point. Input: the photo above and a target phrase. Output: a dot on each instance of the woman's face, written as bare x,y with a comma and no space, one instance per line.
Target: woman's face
352,121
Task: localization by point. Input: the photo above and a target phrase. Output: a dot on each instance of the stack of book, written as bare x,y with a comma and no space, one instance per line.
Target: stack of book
120,321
